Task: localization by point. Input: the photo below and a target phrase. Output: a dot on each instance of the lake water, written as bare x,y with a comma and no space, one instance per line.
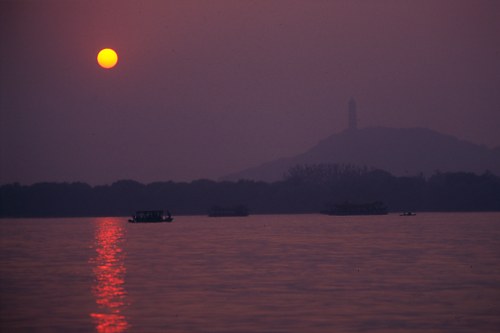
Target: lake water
434,272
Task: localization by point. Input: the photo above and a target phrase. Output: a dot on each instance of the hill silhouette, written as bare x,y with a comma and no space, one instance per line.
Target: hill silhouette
404,151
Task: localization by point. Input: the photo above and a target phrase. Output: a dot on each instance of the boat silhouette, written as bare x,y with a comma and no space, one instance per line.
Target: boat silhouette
151,216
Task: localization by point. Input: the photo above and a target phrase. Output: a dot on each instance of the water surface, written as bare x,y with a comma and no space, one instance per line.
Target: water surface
434,272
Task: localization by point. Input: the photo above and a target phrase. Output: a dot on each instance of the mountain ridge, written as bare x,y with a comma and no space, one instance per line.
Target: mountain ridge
401,151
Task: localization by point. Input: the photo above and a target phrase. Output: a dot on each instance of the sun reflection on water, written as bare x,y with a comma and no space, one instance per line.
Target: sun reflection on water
109,270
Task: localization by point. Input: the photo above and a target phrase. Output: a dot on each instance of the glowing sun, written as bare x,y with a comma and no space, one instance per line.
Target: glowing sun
107,58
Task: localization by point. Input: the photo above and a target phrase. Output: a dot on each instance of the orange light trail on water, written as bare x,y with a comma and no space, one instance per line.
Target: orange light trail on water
109,271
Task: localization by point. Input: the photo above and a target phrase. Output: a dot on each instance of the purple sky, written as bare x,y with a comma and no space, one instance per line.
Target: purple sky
206,88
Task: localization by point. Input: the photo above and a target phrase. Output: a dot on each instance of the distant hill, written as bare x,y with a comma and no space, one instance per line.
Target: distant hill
406,151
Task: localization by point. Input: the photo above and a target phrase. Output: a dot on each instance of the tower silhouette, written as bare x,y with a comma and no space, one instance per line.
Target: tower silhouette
353,122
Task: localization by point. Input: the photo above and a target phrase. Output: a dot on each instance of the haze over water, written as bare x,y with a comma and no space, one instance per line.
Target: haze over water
434,272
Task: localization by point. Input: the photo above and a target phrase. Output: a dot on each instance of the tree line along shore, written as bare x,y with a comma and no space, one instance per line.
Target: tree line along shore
304,189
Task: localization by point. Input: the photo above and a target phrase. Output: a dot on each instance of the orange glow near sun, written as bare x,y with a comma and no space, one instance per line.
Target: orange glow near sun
107,58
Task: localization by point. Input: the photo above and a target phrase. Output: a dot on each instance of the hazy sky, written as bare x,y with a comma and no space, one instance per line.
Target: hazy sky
206,88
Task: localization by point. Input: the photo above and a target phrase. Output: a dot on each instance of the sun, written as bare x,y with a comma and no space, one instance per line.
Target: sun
107,58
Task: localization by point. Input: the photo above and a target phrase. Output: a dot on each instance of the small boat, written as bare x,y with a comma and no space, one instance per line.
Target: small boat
151,216
407,214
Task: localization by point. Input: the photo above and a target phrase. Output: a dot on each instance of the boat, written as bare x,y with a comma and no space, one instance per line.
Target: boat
407,214
151,216
348,208
218,211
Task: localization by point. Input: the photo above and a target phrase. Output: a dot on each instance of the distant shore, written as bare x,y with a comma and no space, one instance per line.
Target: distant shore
306,190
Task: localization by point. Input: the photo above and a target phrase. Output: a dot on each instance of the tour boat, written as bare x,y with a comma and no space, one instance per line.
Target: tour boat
407,214
347,208
218,211
151,216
